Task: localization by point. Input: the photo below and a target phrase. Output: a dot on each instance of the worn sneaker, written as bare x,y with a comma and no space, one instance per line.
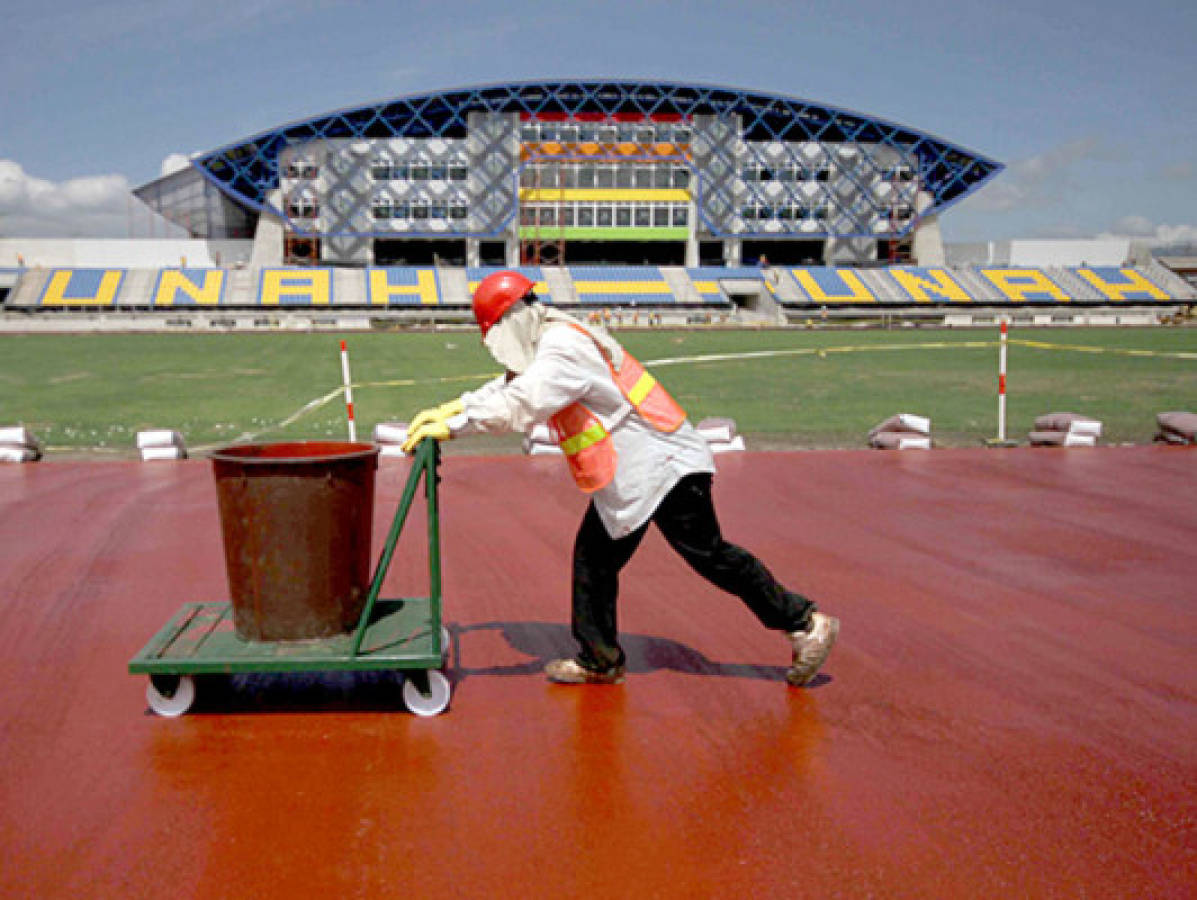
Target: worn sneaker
811,648
570,671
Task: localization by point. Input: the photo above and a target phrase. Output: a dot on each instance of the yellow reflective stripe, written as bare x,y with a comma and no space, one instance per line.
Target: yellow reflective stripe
579,442
641,388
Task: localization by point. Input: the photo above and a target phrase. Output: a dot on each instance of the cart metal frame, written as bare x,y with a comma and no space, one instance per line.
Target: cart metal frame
403,634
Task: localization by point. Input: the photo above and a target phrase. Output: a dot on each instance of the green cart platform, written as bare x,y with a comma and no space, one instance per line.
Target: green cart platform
391,634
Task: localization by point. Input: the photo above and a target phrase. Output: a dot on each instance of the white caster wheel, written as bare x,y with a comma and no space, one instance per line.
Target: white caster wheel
170,695
435,701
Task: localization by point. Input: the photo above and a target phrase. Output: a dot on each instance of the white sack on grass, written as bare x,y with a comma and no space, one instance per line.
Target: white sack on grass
19,436
152,453
390,432
1178,424
540,448
717,429
903,422
900,440
19,453
734,445
385,449
1071,422
1061,439
159,438
540,433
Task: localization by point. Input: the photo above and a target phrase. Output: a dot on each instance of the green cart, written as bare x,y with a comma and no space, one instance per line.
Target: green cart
398,634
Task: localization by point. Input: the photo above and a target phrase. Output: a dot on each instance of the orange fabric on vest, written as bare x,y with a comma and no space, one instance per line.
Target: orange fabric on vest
588,448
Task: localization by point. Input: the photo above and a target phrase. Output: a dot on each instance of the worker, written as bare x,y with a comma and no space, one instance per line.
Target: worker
630,447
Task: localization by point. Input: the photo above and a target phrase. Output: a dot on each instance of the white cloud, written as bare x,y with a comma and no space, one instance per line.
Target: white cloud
174,163
1037,180
1142,228
94,206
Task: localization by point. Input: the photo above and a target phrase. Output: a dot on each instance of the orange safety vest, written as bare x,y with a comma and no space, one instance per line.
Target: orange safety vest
588,448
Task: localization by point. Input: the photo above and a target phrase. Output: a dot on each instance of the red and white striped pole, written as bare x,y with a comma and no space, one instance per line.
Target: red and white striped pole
349,391
1002,385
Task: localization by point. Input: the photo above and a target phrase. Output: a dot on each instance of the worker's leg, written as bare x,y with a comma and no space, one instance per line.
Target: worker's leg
687,519
598,559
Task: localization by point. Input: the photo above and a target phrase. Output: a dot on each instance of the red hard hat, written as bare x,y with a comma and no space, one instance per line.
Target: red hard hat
496,294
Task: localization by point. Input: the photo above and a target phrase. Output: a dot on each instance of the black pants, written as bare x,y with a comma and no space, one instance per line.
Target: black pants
687,519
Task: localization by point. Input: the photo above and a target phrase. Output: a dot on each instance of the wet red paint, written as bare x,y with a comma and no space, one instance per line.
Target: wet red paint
1010,710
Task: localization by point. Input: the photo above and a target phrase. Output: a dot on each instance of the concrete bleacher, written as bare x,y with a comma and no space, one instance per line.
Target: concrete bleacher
430,289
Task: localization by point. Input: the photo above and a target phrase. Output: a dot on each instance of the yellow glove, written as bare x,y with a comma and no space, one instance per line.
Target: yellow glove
438,431
436,414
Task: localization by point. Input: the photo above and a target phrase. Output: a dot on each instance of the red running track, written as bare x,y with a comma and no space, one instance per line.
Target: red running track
1010,710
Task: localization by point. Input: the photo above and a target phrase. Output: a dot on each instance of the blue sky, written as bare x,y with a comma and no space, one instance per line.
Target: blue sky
1092,106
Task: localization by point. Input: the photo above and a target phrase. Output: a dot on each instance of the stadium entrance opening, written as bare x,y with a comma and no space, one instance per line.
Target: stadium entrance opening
431,252
626,253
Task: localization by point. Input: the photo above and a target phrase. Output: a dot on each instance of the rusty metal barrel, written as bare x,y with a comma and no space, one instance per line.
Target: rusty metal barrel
296,519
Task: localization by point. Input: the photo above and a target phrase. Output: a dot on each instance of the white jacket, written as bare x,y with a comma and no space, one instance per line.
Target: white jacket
568,367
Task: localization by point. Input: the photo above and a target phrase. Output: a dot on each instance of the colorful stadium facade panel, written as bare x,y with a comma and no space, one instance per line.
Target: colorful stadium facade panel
607,169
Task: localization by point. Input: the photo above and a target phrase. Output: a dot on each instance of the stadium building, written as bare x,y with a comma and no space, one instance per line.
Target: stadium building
579,172
681,199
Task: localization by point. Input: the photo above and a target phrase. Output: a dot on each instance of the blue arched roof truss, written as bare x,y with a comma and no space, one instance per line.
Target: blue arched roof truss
247,170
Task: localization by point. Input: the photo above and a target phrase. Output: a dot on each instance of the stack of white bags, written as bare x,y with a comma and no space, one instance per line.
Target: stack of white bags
904,431
1177,427
540,441
18,445
160,443
390,437
721,435
1065,430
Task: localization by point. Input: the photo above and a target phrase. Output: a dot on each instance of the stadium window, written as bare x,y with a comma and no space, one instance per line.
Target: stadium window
567,217
661,176
380,208
623,216
606,134
440,211
604,177
380,170
399,172
748,213
625,132
905,212
548,216
527,176
585,216
569,134
787,212
458,211
303,205
681,177
604,216
458,172
438,173
681,217
821,212
527,217
643,217
748,173
401,211
644,177
419,211
588,134
660,217
765,174
681,134
548,177
624,176
529,134
419,171
586,177
823,174
645,135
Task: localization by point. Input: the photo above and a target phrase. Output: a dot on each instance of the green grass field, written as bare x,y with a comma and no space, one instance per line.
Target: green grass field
91,393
